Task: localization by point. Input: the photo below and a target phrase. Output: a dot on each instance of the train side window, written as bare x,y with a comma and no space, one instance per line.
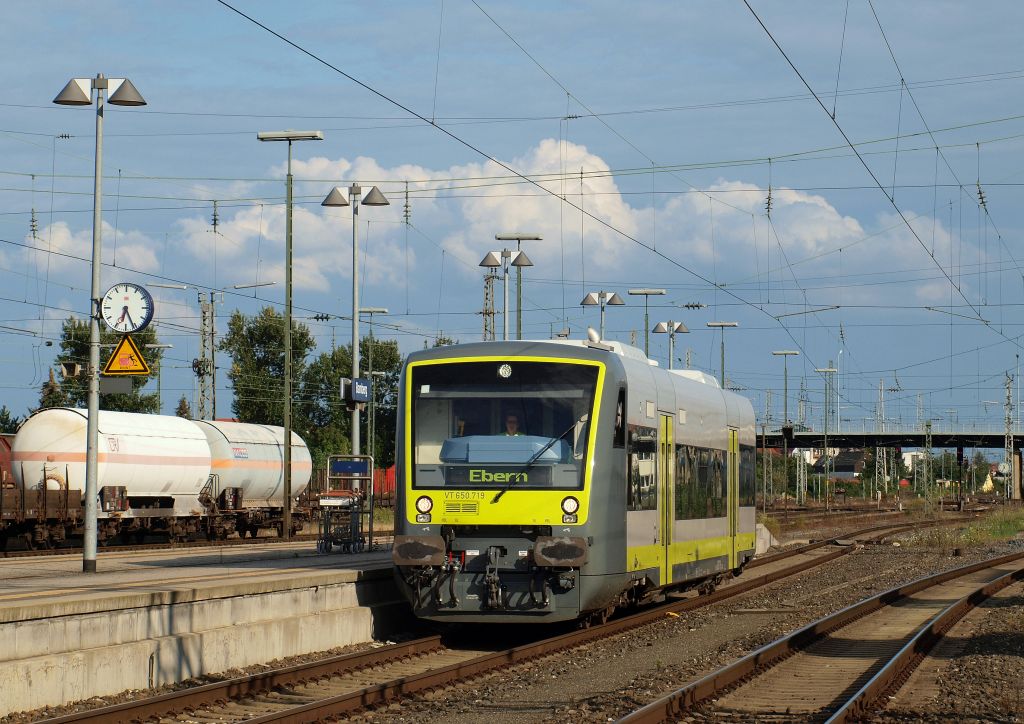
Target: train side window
619,436
683,483
642,476
748,475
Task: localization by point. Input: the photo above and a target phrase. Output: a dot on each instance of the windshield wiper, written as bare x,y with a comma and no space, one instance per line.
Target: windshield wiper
536,456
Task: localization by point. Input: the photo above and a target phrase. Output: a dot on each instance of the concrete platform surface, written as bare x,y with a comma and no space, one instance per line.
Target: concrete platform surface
151,618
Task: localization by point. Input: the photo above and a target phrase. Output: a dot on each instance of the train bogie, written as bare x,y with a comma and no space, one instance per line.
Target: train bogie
617,482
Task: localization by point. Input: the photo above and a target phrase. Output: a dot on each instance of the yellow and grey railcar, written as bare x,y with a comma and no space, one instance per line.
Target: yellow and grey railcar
559,480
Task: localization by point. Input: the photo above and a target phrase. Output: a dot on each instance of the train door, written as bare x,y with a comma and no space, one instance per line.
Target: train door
666,476
733,477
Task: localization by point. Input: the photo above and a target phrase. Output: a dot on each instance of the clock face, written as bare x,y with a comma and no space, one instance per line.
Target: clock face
127,308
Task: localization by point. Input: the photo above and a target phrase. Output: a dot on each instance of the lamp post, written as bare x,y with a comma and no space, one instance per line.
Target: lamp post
722,326
290,137
785,354
78,92
519,262
504,259
647,293
371,431
671,328
601,298
373,198
827,371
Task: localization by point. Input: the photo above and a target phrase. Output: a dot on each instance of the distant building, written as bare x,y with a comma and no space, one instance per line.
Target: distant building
845,465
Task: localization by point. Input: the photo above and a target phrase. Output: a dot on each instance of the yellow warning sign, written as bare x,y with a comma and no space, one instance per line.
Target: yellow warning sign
126,360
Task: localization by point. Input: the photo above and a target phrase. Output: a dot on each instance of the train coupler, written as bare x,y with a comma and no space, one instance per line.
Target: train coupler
492,581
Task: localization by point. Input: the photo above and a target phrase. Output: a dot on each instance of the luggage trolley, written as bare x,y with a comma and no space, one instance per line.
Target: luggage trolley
349,497
341,513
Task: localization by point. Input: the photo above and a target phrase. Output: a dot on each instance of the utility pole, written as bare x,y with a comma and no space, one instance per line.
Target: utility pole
828,372
205,366
488,312
1011,481
927,471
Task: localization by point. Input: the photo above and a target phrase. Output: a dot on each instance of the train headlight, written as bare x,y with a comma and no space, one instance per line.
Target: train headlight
570,505
424,504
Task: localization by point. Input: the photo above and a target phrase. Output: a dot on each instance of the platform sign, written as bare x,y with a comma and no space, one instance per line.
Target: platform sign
126,360
349,468
360,390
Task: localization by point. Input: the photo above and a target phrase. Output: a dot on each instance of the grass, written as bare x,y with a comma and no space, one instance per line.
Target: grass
999,526
383,518
771,523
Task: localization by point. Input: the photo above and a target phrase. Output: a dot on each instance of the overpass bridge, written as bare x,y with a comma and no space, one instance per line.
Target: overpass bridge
901,438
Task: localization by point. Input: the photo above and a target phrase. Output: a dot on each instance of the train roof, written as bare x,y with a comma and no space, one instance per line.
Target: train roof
570,348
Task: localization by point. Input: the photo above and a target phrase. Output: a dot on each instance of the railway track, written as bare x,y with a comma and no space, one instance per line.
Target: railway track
344,684
837,668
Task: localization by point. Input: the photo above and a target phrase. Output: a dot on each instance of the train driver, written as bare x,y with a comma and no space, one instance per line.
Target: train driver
512,425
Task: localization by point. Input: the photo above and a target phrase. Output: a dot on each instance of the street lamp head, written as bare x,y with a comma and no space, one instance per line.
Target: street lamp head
660,328
590,300
76,93
647,292
125,94
615,300
290,135
785,353
723,324
681,328
375,198
491,260
337,197
373,310
518,237
522,260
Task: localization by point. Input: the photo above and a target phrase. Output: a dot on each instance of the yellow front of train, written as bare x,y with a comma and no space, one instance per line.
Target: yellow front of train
496,451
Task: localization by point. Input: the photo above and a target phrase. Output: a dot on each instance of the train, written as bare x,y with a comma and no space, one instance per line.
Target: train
157,474
561,480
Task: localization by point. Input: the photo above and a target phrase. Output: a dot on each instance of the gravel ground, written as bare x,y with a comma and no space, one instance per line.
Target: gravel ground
605,680
981,680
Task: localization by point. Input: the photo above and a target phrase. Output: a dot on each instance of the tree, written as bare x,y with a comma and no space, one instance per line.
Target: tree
324,421
8,423
74,391
184,409
256,347
52,394
441,340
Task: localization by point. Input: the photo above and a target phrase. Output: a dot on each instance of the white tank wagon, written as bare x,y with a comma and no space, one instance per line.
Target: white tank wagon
156,473
251,458
159,461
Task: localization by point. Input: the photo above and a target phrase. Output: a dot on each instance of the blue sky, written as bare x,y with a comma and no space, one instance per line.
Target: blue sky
678,116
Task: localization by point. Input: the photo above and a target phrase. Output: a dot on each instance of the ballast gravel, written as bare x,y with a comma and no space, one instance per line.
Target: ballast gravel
605,680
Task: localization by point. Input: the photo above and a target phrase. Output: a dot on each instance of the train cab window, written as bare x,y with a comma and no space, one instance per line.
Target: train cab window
482,425
642,478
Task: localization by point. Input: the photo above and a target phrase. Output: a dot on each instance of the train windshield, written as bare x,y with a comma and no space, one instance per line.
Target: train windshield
490,424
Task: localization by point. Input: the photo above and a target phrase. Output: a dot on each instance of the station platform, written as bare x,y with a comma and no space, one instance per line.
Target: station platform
151,618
